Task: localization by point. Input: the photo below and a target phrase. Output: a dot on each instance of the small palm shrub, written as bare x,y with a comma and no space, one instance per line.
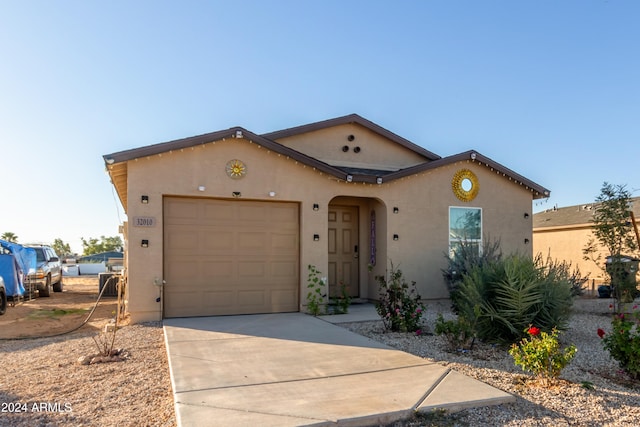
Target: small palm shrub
503,297
399,305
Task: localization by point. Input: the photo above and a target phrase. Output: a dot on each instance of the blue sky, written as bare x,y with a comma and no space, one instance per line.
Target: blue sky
550,89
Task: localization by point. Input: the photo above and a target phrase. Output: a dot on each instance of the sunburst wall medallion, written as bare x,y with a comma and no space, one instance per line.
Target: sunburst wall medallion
465,185
236,169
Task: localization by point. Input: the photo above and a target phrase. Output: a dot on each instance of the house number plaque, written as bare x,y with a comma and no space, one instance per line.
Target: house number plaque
144,221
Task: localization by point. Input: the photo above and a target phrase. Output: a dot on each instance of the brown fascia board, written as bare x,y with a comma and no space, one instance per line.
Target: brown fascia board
352,118
476,157
150,150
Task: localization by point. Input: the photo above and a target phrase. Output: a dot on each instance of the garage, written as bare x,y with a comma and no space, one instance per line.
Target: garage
225,257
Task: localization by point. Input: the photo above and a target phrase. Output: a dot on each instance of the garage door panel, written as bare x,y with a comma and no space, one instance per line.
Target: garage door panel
183,269
284,242
215,211
217,241
182,240
235,257
251,269
251,299
180,211
283,269
253,241
284,215
282,299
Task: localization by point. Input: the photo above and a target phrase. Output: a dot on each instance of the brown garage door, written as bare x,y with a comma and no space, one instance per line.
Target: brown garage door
230,257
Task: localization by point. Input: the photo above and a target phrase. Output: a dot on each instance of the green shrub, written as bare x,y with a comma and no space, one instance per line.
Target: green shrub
623,342
466,258
342,302
399,306
541,354
459,333
503,297
316,292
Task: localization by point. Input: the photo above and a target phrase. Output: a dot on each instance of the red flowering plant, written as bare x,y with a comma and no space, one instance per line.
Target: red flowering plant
541,354
399,306
623,342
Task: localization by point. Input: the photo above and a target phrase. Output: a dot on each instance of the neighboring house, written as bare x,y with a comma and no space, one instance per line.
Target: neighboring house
102,257
228,222
564,232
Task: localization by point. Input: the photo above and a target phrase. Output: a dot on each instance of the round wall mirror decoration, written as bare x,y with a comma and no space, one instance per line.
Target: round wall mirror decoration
465,185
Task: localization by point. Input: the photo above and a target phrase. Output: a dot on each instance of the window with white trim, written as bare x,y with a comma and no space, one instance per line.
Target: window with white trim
465,226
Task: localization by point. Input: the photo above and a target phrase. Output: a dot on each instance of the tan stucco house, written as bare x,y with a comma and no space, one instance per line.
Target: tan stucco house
228,222
563,233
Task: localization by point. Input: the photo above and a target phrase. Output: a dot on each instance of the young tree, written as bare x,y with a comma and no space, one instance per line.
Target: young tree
62,249
9,237
611,230
104,244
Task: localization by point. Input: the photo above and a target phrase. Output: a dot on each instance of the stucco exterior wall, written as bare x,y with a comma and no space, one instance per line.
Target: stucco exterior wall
376,152
422,221
566,244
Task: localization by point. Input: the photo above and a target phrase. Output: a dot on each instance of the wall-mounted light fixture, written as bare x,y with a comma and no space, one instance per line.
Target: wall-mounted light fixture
349,178
236,194
379,180
201,188
395,209
316,207
526,241
144,243
395,237
316,237
526,214
144,199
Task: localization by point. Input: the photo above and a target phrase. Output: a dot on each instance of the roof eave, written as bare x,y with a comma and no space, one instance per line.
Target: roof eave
538,191
352,118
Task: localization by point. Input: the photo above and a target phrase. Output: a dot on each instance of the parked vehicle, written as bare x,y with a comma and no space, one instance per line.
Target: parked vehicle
3,297
48,274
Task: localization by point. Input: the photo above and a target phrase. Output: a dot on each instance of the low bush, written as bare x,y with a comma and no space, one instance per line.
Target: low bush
540,354
459,332
399,305
623,342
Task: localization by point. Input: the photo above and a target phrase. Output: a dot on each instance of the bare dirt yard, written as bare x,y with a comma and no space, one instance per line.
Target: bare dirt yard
42,382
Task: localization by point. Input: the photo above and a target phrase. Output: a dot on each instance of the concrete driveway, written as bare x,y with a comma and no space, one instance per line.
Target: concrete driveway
293,369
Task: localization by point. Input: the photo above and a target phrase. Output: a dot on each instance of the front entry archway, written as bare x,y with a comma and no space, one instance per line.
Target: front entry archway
356,227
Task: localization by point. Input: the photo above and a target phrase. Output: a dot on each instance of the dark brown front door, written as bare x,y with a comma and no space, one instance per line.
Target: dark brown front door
343,250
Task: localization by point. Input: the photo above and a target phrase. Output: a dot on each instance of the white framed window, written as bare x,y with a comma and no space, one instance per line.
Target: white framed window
465,226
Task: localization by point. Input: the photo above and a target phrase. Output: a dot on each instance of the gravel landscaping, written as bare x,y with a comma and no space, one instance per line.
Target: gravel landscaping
43,384
43,380
591,391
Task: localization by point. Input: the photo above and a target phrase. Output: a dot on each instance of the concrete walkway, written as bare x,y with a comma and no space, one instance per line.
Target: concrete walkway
296,370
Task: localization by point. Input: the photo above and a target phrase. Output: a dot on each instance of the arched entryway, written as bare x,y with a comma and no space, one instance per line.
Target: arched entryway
356,240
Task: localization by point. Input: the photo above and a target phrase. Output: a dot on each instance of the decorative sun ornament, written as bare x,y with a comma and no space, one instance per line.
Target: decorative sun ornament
236,169
465,185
